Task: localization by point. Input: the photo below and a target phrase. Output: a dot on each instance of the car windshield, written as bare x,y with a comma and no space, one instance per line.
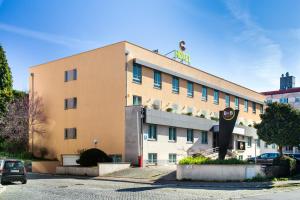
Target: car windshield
13,164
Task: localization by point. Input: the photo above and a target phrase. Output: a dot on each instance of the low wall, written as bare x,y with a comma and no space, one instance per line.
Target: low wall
77,171
46,167
218,172
107,168
100,170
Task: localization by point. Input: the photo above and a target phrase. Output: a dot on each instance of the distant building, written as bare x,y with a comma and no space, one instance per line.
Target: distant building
287,93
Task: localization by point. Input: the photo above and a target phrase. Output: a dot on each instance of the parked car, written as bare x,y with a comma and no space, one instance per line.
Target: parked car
11,171
296,156
265,158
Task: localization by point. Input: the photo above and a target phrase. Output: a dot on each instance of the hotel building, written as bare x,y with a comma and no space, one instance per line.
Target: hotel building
135,103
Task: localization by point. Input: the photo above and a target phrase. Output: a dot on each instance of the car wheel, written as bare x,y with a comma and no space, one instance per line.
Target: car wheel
24,181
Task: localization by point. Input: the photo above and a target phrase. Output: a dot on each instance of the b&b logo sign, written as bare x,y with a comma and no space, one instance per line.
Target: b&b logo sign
228,114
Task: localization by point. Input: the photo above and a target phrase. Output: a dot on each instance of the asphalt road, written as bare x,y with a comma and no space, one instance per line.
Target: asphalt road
45,187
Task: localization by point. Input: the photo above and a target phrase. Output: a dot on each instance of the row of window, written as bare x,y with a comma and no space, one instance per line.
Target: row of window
137,78
152,134
285,100
249,143
152,158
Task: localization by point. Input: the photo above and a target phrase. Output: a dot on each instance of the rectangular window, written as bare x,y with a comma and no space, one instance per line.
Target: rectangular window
253,107
190,89
241,157
204,93
204,139
216,97
70,133
273,146
175,84
236,103
261,108
190,135
157,79
70,103
297,100
71,75
152,132
269,101
249,141
283,100
152,158
266,145
137,100
172,134
137,73
246,105
227,100
172,158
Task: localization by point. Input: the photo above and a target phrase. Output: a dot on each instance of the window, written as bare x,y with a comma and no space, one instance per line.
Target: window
236,103
249,141
190,89
71,75
204,93
137,100
227,100
116,158
70,133
172,158
204,139
261,109
266,145
190,135
175,84
269,101
172,134
137,73
216,97
273,146
253,107
297,99
258,142
157,79
70,103
246,105
241,157
152,158
152,132
283,100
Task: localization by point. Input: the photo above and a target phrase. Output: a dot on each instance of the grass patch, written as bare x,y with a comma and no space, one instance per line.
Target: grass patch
201,160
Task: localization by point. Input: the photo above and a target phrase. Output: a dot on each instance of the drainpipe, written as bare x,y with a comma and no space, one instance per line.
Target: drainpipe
32,100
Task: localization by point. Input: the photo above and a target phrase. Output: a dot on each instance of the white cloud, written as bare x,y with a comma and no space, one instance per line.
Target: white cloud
264,62
51,38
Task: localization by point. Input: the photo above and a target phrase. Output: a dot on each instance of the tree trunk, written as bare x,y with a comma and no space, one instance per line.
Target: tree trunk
280,150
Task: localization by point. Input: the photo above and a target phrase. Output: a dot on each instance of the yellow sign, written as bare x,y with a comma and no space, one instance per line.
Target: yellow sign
182,56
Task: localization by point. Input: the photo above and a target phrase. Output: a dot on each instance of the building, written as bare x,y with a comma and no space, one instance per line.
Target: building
135,103
288,94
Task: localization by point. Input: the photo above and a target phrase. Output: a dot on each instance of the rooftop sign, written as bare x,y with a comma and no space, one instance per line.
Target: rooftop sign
180,55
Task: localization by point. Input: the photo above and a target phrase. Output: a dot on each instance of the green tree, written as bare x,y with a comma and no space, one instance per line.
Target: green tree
280,125
6,91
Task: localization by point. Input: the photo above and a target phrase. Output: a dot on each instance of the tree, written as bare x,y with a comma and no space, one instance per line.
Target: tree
6,91
280,125
24,117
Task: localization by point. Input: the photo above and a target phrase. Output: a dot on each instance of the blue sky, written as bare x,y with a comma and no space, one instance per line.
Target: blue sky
250,42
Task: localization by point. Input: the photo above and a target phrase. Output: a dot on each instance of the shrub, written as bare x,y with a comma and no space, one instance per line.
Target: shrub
200,160
92,157
286,166
169,109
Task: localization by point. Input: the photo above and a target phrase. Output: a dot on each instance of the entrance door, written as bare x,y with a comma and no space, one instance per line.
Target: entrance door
215,139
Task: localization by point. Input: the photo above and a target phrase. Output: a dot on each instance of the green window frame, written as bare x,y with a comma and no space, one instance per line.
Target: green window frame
172,158
236,103
204,137
190,135
152,132
172,134
157,79
246,105
137,73
152,158
136,100
190,89
175,84
253,107
204,93
216,97
227,100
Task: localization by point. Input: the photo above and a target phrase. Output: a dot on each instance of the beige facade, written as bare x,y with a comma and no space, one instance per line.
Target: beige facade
104,86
